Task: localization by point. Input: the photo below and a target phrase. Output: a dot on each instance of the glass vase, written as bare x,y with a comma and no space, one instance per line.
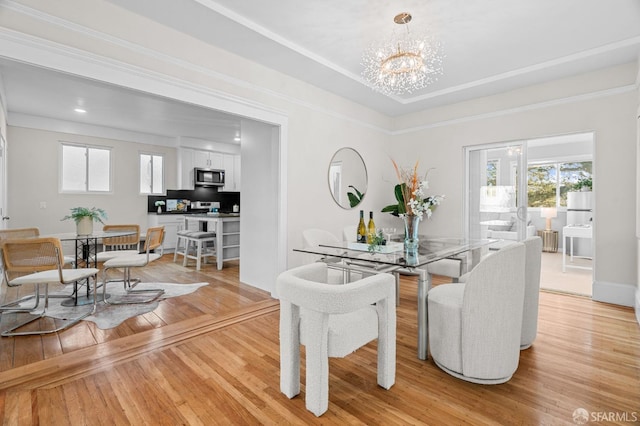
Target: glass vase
411,241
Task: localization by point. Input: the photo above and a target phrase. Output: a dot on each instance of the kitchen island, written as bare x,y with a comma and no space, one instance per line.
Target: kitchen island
225,225
227,229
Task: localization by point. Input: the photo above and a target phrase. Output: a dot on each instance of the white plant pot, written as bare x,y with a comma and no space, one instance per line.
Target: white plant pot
85,226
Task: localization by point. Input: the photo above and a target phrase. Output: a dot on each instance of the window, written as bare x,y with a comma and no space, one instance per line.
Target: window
493,170
151,174
85,168
548,183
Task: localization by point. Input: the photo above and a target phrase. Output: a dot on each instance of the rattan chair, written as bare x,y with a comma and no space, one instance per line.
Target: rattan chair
39,261
13,306
119,246
153,241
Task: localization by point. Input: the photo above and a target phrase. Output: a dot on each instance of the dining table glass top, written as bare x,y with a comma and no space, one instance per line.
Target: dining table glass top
430,250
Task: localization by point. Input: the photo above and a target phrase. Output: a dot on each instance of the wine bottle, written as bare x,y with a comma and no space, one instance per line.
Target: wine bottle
371,229
362,231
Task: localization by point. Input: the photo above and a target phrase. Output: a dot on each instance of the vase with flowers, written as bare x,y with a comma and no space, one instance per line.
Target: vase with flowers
412,203
159,205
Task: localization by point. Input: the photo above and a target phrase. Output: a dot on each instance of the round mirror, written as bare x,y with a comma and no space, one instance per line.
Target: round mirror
347,178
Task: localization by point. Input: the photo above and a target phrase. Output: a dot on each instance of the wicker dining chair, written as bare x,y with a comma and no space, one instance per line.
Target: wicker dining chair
39,261
119,246
153,241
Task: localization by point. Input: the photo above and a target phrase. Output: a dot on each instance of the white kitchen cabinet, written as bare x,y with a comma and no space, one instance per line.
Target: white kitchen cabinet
232,173
208,159
172,223
236,171
192,158
186,169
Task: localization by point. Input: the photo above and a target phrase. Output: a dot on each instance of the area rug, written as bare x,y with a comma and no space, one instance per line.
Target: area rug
110,316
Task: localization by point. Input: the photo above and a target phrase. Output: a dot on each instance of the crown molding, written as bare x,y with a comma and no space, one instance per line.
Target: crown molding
523,108
75,128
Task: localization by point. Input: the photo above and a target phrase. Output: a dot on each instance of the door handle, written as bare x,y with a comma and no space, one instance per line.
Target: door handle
5,218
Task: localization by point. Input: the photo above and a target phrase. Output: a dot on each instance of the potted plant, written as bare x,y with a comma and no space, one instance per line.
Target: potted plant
585,183
84,218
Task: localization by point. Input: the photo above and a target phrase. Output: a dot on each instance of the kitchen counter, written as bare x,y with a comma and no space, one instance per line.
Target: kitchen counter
215,215
197,213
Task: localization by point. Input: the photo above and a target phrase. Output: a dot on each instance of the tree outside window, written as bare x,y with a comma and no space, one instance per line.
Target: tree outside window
493,167
85,168
549,183
151,174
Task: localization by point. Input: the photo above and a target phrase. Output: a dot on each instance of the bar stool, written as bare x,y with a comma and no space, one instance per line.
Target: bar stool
198,240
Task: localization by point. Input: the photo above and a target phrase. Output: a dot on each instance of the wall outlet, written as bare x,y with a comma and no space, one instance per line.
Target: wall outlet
43,204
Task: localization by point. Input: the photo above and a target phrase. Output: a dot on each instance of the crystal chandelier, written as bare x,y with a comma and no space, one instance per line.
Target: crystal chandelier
403,63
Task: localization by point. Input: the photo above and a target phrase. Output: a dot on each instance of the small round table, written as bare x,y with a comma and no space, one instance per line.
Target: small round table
86,247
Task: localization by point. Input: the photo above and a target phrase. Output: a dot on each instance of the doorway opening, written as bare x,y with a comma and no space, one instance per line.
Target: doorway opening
538,187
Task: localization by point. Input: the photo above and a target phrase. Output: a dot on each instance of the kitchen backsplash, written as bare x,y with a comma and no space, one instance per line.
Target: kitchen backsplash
226,199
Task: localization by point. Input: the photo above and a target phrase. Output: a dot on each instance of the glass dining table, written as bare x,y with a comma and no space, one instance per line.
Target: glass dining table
86,247
414,264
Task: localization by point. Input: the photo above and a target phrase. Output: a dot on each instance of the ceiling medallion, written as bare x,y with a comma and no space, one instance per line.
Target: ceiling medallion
402,63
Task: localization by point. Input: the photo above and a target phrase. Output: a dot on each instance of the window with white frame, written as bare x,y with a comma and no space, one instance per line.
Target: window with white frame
85,168
151,173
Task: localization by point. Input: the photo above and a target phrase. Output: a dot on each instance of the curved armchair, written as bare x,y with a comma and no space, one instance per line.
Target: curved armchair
332,321
533,263
475,327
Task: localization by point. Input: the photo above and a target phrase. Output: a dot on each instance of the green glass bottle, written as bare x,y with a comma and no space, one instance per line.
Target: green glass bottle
362,231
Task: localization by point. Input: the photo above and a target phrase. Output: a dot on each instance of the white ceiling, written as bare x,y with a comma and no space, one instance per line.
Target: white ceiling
491,46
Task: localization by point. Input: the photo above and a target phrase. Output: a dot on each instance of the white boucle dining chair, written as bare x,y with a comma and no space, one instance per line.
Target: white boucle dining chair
332,321
475,327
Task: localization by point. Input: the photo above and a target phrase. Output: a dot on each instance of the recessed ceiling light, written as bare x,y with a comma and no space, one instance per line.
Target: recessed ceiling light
237,139
80,110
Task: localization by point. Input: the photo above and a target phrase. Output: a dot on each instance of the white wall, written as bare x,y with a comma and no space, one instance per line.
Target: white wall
33,178
611,116
259,204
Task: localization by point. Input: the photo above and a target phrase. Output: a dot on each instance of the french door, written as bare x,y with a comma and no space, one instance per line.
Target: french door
496,190
3,183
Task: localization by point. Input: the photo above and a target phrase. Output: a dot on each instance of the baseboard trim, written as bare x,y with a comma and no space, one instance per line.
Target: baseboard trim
616,293
638,305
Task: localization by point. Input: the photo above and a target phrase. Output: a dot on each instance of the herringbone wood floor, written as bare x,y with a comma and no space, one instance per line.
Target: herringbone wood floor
212,358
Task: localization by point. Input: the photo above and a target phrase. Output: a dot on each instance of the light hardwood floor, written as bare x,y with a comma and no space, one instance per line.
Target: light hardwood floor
212,358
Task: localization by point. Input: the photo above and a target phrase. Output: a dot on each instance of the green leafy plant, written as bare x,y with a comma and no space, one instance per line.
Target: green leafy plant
377,240
400,208
354,197
583,182
77,213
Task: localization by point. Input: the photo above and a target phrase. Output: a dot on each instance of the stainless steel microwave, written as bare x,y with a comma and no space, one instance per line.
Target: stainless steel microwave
208,177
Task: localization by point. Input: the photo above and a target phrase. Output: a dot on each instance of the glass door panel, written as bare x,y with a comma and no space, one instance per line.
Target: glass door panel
496,192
